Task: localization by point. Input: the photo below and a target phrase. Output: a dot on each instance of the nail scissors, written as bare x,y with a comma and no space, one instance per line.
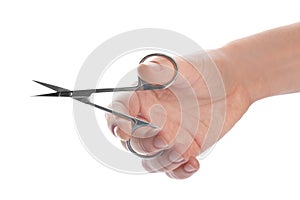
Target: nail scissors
83,96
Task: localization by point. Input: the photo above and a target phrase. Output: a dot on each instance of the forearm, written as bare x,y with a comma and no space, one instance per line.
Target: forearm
267,63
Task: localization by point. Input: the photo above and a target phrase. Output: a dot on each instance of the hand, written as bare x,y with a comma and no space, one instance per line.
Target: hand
184,111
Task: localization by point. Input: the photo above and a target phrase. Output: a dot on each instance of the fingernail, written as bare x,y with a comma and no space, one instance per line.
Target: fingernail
160,143
115,131
175,157
189,168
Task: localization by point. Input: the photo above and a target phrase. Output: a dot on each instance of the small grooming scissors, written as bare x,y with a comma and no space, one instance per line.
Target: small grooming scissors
83,96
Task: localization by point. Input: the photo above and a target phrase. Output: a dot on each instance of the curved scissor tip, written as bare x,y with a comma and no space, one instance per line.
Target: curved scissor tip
53,87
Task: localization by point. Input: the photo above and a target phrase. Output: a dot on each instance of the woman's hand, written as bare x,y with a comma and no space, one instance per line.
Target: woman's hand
192,114
210,95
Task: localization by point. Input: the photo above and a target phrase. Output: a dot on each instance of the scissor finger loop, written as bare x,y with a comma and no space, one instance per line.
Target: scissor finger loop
148,86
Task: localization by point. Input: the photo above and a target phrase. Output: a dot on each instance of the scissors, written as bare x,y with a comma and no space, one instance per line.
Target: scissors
83,96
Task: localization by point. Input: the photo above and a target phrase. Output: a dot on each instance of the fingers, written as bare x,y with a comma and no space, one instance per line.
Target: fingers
159,141
172,158
149,139
171,136
185,170
127,104
179,169
168,161
159,70
149,145
118,126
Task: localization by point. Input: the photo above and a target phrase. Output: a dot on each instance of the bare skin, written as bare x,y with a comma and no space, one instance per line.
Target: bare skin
252,68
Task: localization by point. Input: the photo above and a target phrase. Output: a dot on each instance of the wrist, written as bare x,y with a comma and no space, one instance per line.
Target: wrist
233,72
228,73
245,70
266,64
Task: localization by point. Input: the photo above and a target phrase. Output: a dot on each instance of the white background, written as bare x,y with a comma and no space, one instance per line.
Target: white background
41,156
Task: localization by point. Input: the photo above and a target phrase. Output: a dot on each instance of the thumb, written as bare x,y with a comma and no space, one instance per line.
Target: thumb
157,72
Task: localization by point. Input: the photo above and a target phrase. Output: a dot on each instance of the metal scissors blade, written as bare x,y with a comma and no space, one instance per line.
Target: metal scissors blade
53,87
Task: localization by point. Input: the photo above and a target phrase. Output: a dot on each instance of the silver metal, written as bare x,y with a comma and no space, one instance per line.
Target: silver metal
128,145
83,97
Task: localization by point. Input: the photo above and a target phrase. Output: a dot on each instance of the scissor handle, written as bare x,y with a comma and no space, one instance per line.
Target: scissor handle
143,85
